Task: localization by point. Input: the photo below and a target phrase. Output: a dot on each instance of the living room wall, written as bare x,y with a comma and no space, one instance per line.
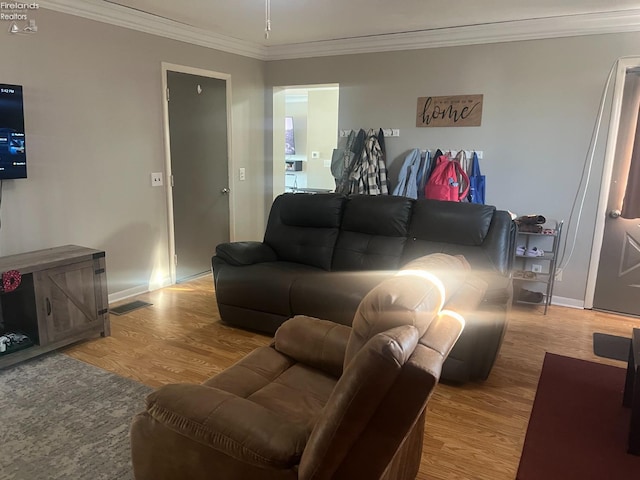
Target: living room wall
540,103
93,118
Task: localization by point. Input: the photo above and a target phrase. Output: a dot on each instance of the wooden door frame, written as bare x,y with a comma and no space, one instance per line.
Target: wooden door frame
609,159
171,67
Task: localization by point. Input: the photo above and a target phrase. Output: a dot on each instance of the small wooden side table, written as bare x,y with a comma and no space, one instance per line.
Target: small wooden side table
631,396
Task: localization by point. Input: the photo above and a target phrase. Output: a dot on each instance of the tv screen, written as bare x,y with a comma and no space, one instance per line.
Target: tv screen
13,157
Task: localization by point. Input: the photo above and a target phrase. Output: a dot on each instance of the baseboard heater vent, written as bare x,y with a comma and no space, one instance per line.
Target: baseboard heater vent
128,307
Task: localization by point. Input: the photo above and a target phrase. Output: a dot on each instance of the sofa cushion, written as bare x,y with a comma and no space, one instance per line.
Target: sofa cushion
262,286
450,222
245,253
373,233
303,228
478,232
333,296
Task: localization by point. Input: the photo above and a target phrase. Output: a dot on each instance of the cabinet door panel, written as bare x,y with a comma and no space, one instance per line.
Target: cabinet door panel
69,299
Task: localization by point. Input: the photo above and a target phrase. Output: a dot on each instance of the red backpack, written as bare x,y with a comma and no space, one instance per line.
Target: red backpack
443,182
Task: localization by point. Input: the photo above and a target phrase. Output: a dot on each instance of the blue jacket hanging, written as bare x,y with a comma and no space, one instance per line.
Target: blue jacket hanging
407,178
477,182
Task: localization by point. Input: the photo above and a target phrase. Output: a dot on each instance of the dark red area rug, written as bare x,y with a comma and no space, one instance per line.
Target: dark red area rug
578,427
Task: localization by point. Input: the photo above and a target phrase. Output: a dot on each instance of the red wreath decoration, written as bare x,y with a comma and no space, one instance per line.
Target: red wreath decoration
11,280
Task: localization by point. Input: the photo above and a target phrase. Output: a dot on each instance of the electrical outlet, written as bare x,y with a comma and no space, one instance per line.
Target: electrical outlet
536,268
315,154
559,276
242,174
156,179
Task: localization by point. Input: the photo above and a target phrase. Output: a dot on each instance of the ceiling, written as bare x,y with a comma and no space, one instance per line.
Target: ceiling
307,25
300,21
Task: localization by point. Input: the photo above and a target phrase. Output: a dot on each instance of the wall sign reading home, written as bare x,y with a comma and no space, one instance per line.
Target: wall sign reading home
451,111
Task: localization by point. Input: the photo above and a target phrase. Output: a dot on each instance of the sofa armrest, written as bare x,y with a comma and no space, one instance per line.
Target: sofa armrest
235,426
245,253
500,242
317,343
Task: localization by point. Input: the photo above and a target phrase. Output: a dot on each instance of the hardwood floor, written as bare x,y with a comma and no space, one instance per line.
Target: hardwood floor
475,431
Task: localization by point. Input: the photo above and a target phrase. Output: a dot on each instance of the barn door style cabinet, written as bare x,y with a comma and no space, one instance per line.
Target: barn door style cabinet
62,298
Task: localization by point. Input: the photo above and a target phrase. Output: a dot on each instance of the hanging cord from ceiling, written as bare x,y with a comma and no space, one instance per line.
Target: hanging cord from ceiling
586,171
267,18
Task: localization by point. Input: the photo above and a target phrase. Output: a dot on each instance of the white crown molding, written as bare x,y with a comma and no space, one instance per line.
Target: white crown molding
511,31
118,15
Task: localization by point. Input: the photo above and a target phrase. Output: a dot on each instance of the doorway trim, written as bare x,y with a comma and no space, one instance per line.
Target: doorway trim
623,64
172,67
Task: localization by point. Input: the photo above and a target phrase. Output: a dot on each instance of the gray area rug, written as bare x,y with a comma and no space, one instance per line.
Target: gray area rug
64,419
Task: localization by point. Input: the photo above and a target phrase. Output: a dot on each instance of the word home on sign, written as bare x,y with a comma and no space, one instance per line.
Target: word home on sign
450,111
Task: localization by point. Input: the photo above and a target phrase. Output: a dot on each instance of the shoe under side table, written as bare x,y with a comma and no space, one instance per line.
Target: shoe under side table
631,397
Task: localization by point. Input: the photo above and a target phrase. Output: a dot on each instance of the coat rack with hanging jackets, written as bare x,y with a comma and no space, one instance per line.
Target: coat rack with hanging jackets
358,163
427,173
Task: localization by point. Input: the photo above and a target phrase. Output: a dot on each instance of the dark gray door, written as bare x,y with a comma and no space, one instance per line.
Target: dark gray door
199,164
618,282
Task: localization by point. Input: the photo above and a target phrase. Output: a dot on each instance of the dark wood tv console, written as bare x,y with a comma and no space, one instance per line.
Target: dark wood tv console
62,298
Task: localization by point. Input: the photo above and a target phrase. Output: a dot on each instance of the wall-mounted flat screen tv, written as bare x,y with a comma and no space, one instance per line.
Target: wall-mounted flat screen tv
13,156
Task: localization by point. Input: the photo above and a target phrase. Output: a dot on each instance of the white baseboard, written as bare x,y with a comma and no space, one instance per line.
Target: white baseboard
567,302
132,292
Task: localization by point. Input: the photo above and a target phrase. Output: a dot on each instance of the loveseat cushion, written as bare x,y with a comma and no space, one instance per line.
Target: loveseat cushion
357,396
303,228
373,233
293,391
238,427
314,342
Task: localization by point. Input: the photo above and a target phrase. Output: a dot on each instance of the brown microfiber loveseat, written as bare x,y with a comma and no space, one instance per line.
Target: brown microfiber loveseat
323,252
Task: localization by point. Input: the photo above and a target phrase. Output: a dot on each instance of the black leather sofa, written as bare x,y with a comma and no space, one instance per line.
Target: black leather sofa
323,252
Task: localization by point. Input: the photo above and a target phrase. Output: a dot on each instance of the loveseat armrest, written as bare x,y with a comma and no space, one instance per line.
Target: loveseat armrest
232,425
245,253
317,343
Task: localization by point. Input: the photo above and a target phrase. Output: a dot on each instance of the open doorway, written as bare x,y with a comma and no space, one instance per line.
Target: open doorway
305,132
